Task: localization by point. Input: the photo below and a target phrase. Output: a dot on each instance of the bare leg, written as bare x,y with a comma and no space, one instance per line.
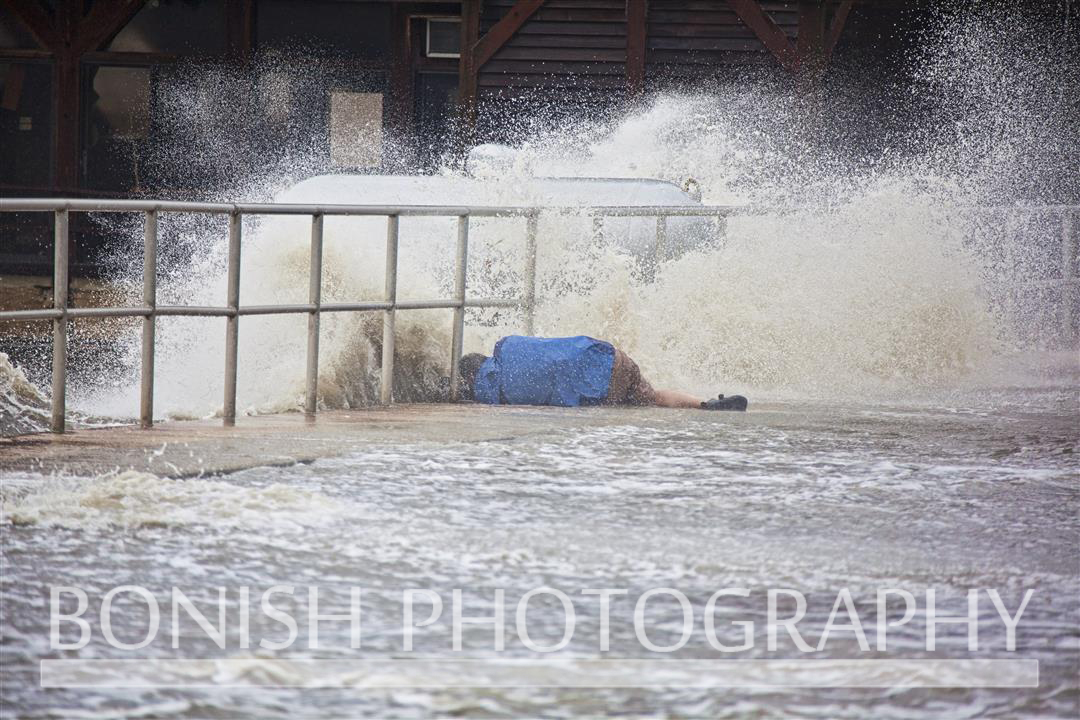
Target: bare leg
675,399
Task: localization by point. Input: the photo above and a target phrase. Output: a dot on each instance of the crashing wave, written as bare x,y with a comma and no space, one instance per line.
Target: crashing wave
23,408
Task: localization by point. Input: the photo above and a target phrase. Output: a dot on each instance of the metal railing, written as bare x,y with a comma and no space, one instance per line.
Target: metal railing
149,311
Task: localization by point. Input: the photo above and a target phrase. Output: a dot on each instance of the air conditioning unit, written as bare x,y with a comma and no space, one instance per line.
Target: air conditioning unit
443,38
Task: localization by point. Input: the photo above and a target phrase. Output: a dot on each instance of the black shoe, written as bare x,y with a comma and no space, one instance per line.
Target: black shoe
735,402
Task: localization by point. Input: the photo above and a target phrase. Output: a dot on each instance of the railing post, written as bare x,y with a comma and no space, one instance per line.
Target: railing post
311,399
530,272
661,239
60,302
386,390
232,322
146,389
721,222
459,298
1069,276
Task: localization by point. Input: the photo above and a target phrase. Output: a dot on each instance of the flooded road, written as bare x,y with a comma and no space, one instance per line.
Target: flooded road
790,495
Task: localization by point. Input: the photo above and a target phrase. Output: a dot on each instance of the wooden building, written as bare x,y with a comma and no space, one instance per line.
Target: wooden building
179,98
81,79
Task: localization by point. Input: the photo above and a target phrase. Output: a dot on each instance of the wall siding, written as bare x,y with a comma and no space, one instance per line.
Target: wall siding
582,43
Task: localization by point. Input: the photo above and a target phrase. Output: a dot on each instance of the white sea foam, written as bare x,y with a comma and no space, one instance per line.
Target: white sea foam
860,276
23,408
135,499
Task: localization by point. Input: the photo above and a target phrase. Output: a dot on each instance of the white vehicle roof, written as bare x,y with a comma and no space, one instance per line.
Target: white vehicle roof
443,190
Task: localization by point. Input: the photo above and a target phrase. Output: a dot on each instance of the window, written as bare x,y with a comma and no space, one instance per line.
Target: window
356,129
116,126
443,38
25,123
121,100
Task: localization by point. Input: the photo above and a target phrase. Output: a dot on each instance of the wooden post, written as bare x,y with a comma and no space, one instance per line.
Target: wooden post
836,28
66,112
637,31
810,43
814,43
239,30
401,79
767,31
66,98
476,50
468,71
503,30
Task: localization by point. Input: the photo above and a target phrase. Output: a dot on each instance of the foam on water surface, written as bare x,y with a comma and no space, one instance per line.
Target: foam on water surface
812,497
134,499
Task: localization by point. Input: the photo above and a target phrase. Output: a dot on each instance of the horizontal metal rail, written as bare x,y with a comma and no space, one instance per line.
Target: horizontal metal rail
60,314
205,311
143,206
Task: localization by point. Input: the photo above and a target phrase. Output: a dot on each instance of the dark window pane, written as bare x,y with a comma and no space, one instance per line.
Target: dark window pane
436,100
25,124
322,27
175,27
117,124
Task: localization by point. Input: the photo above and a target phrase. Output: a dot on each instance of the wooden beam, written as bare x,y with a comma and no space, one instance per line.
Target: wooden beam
503,30
467,70
101,25
66,125
401,72
767,31
66,97
18,54
810,42
637,31
836,28
240,30
475,51
37,22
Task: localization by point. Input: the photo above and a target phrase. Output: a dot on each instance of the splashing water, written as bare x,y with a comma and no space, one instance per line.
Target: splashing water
23,408
852,274
136,499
